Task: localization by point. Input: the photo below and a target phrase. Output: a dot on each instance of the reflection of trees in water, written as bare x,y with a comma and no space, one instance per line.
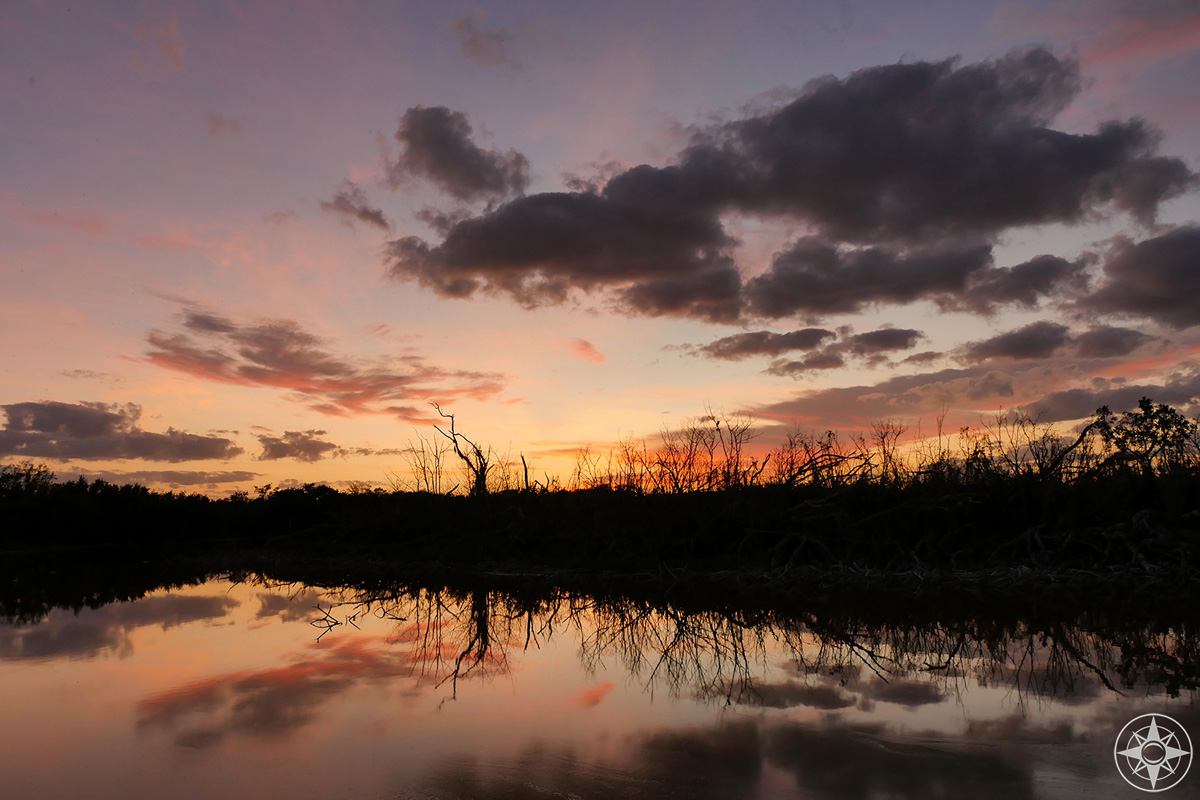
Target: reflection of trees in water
721,653
451,634
832,661
1037,658
472,633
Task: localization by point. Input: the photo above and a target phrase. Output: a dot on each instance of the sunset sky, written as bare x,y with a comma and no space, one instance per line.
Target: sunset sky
247,243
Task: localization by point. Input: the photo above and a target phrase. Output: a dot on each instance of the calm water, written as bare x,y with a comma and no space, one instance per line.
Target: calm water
230,691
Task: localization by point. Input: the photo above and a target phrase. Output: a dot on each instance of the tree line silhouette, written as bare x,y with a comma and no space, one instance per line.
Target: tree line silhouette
713,452
1011,500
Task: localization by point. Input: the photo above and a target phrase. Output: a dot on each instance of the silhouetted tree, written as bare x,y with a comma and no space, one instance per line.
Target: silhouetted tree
25,478
477,461
1154,438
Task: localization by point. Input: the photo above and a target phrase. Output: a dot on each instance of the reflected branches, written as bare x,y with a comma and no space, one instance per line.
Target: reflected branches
728,655
682,641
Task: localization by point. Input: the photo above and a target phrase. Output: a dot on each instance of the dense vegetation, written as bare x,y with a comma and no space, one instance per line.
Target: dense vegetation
1119,501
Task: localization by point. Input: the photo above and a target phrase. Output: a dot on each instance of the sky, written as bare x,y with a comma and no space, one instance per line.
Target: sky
255,242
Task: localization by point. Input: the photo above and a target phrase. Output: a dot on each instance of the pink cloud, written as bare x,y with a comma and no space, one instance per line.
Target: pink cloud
581,348
593,695
280,217
172,242
216,124
280,354
1145,35
90,224
166,37
1117,34
273,702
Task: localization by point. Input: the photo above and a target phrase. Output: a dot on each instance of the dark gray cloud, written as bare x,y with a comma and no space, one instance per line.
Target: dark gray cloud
756,343
538,248
929,161
205,322
924,357
491,47
1024,284
441,220
848,760
829,757
1062,389
1035,340
1156,278
814,362
90,632
712,294
909,397
813,277
1180,389
927,150
791,694
300,445
300,605
868,349
905,693
991,384
1021,728
1107,341
86,431
280,354
1043,340
723,760
884,340
171,477
350,203
438,147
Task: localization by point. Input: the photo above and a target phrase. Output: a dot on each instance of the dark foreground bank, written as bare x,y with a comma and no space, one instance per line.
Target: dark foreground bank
1125,524
1114,509
1120,531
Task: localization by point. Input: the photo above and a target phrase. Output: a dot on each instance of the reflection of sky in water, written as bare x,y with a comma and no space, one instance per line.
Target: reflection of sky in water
230,691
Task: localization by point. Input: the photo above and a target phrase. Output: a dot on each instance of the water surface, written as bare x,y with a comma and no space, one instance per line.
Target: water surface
252,690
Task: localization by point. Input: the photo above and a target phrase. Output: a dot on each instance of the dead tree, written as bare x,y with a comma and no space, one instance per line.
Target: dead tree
478,463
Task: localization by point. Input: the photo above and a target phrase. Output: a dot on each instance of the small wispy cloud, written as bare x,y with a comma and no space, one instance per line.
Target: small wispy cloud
351,204
166,38
582,348
90,224
491,47
175,242
216,124
593,695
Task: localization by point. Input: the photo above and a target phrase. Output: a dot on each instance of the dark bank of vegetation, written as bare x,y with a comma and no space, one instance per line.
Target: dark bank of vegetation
1012,503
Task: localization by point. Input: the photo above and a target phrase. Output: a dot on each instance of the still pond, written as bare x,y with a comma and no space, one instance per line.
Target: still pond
231,690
